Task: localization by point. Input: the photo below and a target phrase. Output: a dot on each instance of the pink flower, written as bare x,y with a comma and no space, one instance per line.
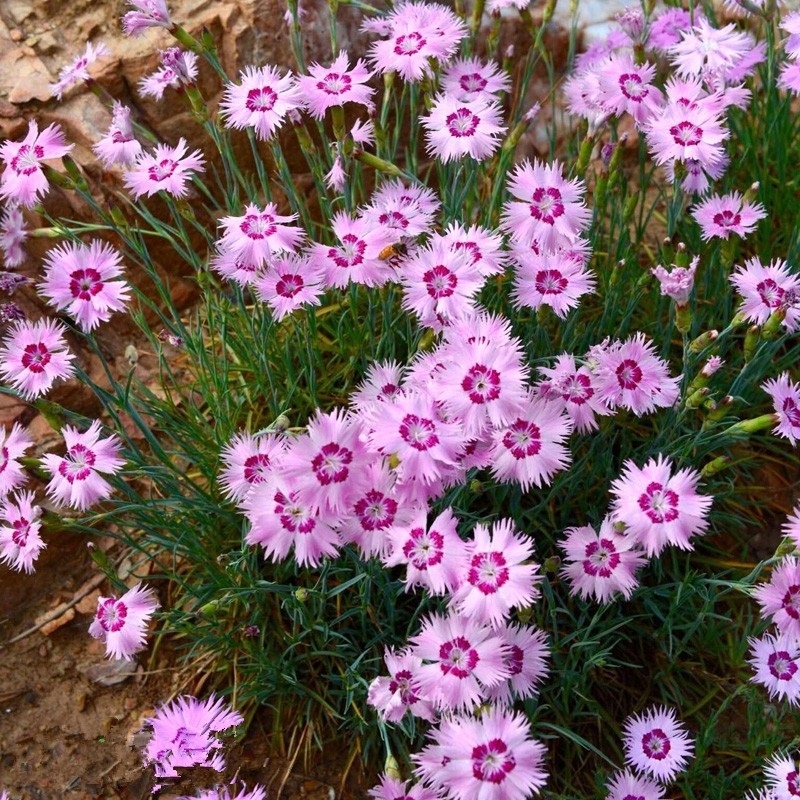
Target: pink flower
33,355
261,101
791,527
548,208
499,575
80,279
629,374
601,565
779,598
484,247
13,234
785,396
20,542
336,177
23,180
78,70
667,26
658,507
76,478
291,282
678,283
407,211
247,459
470,78
122,624
455,128
392,697
178,69
789,76
184,735
394,789
626,786
166,169
487,758
627,86
258,234
530,449
783,777
324,88
765,289
776,661
226,793
119,145
13,444
146,14
657,743
525,653
726,214
381,383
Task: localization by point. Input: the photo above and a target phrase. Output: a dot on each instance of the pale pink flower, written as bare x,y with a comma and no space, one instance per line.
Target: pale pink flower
13,234
779,597
484,247
455,128
667,26
791,527
782,774
499,575
776,661
490,757
78,70
659,507
548,208
167,169
791,24
627,86
325,87
336,177
394,789
765,289
77,477
381,382
122,624
236,269
146,14
470,78
785,396
23,180
789,76
585,98
400,692
525,653
13,444
178,69
119,145
600,565
726,214
81,280
258,234
185,735
696,175
408,211
34,355
260,101
657,743
226,793
291,282
678,282
626,785
247,459
20,542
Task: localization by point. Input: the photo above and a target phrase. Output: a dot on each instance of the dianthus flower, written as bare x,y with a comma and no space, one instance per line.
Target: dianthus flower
119,145
247,459
184,735
33,355
659,507
601,565
779,598
325,87
13,444
483,246
627,86
146,14
166,169
13,234
626,785
782,773
525,653
20,542
394,789
178,68
23,180
291,282
776,661
76,478
666,27
258,234
408,211
78,70
548,208
765,289
260,101
381,382
490,757
455,128
657,743
470,78
226,793
80,279
498,576
785,396
722,215
400,692
677,283
791,527
122,624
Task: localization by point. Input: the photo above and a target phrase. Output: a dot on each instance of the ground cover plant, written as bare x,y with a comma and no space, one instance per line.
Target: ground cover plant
459,456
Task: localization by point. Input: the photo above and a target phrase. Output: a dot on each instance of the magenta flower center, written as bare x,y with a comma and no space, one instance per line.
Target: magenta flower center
77,464
727,219
546,204
462,123
577,389
550,281
394,220
162,170
632,86
22,529
781,665
261,100
388,391
472,82
770,293
35,357
26,161
482,384
472,248
792,784
334,83
111,615
6,458
294,518
515,659
791,412
351,253
330,464
791,601
655,744
458,658
492,761
258,226
488,572
660,504
523,439
601,559
401,684
424,549
409,44
629,374
686,134
84,284
289,285
375,510
256,468
634,797
440,281
418,432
